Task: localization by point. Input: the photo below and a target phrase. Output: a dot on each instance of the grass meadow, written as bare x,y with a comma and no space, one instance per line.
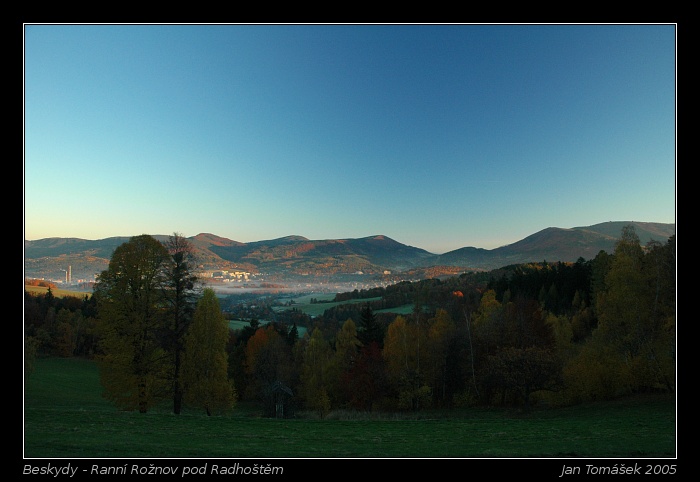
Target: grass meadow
66,417
58,292
304,304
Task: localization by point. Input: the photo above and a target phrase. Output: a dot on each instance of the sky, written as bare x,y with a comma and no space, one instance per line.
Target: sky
439,136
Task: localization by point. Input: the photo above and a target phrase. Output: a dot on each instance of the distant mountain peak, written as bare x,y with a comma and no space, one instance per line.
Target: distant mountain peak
214,240
292,237
381,238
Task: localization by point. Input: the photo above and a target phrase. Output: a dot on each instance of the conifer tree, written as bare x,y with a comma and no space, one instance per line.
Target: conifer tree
180,293
369,330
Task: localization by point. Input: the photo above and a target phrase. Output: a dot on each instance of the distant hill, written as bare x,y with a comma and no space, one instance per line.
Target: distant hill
557,244
298,256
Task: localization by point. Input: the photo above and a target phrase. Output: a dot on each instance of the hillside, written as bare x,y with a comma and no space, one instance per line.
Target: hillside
557,244
373,255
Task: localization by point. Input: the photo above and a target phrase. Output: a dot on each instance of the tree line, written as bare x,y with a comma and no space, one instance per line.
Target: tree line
546,333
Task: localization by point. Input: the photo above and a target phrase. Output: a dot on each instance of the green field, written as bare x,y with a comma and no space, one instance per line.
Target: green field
399,310
303,303
65,417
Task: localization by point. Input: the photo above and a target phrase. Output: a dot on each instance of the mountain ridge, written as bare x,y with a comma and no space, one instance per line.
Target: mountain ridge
296,255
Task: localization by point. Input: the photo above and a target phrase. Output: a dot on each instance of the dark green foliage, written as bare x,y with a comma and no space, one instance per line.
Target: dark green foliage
518,372
42,324
553,284
369,331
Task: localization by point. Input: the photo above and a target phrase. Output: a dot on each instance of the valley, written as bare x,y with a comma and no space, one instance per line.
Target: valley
295,263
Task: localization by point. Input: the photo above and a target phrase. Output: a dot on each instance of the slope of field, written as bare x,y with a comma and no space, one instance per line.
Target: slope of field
65,416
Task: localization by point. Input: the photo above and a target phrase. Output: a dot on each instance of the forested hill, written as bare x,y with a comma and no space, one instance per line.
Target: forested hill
557,244
296,255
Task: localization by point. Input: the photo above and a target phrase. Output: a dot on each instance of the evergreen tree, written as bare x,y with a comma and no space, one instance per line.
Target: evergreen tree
369,330
180,293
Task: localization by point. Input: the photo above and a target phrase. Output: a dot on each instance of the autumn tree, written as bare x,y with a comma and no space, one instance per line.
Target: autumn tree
632,347
660,269
526,324
439,349
236,349
205,360
511,333
66,335
489,322
563,335
347,348
316,373
347,344
582,319
660,272
489,329
630,317
401,353
594,373
133,365
365,383
357,369
268,359
31,345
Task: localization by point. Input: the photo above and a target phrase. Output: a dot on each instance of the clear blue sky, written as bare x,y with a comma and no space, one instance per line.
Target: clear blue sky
438,136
